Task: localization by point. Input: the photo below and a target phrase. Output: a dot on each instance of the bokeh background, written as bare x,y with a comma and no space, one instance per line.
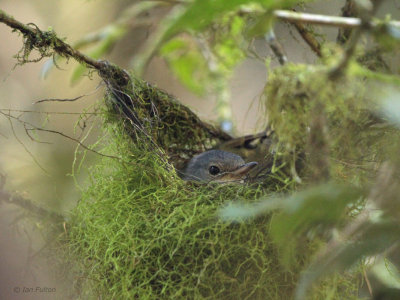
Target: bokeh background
42,169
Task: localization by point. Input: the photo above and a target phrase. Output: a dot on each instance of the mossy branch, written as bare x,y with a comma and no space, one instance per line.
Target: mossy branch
139,96
47,44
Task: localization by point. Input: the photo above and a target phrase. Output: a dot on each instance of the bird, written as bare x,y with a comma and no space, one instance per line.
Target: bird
217,166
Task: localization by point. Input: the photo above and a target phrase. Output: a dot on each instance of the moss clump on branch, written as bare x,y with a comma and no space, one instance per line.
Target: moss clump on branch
356,137
42,41
141,232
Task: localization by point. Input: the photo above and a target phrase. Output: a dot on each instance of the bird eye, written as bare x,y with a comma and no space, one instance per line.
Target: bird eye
214,170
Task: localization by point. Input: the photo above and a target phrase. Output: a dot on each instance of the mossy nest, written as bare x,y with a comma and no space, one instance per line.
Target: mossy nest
139,231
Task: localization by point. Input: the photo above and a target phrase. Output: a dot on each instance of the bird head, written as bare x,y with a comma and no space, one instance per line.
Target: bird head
217,166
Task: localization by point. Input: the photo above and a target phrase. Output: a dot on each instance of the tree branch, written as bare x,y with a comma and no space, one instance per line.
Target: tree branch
48,44
20,201
276,47
308,37
326,20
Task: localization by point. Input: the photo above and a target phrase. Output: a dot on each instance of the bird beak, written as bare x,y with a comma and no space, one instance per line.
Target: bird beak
243,170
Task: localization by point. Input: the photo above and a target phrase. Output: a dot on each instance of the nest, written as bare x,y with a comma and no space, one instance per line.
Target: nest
139,231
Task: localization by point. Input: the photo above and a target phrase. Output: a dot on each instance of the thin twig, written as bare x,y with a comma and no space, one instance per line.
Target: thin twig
33,127
69,99
325,20
276,47
368,283
59,99
22,144
49,112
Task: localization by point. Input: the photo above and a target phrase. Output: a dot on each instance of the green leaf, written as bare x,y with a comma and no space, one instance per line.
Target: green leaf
321,206
201,13
187,64
260,26
315,209
241,211
387,273
202,66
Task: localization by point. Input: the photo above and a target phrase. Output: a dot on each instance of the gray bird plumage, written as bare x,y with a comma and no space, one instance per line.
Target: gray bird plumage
218,166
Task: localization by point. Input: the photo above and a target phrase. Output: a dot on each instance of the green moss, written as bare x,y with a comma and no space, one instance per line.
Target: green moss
46,43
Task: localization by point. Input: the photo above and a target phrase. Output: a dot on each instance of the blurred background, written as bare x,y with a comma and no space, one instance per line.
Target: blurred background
41,167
